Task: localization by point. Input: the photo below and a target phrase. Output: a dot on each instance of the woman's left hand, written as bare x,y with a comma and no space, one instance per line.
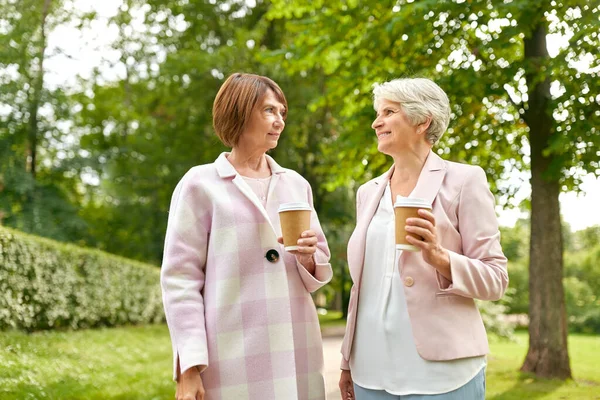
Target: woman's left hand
433,253
307,247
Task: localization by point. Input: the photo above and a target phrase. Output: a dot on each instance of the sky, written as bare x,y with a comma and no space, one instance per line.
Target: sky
82,50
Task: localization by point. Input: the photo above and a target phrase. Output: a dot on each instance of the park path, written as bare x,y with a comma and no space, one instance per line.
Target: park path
332,342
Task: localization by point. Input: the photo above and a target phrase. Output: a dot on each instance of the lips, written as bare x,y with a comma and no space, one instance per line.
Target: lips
381,135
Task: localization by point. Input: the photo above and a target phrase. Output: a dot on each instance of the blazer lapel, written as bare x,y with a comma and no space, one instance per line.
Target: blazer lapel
431,178
428,185
365,215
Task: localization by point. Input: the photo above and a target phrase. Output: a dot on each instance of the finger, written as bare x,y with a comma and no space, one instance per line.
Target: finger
421,222
426,234
428,215
312,241
308,233
280,239
306,250
416,242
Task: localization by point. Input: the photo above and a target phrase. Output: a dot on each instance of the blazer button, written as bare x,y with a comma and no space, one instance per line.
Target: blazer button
272,256
409,281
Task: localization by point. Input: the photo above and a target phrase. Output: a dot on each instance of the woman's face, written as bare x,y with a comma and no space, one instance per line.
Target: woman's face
265,125
393,130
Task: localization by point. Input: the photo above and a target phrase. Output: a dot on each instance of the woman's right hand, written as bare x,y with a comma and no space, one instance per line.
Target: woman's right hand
189,385
346,385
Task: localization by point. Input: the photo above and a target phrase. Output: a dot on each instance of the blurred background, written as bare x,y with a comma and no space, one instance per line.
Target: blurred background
105,105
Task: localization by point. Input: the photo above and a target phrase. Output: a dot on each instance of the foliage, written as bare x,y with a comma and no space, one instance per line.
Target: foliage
474,51
48,285
39,190
581,282
492,314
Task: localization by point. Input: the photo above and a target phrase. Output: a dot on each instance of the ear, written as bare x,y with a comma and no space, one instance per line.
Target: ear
422,128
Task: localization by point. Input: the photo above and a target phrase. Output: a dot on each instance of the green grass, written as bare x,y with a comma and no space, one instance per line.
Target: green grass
504,382
121,363
135,363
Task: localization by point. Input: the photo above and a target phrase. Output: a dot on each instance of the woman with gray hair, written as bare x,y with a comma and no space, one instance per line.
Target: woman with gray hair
413,330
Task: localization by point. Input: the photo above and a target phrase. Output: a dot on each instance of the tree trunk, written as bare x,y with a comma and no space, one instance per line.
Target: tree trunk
37,86
548,355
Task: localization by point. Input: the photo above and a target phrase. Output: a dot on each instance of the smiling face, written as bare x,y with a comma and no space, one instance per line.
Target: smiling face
394,132
265,124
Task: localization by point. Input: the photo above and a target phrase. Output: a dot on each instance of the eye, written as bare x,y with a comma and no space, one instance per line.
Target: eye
269,109
388,112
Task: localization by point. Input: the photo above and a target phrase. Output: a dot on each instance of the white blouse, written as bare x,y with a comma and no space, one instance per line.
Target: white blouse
384,355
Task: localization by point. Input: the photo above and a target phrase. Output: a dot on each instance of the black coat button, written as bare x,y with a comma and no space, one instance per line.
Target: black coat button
272,256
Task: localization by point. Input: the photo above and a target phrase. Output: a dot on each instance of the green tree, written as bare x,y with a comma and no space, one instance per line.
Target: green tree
38,190
491,59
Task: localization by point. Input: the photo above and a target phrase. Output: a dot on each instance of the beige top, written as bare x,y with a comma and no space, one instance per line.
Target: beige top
260,187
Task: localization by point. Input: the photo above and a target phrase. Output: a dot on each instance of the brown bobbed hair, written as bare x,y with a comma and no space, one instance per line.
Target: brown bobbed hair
235,101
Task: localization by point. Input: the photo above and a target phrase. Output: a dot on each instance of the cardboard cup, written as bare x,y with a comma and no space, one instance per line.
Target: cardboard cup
404,208
294,219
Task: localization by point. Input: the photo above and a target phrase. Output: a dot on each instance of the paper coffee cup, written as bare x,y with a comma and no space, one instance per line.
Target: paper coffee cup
294,219
407,207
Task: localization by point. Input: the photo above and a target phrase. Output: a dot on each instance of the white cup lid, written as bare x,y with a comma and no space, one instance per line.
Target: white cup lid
298,206
411,202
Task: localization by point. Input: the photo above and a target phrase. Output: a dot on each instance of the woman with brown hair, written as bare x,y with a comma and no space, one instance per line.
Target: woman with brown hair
242,321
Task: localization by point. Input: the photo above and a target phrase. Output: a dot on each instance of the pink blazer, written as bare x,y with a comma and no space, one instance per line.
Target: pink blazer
236,303
445,321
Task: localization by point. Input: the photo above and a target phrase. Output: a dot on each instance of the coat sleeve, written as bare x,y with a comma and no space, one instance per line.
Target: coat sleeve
323,271
480,272
182,277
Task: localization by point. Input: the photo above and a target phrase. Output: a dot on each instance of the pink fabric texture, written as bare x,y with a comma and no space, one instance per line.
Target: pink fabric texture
249,323
445,321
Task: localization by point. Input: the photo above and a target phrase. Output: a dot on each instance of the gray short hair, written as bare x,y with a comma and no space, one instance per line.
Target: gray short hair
419,98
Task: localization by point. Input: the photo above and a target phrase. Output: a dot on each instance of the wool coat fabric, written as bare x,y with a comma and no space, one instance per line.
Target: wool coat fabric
445,321
250,323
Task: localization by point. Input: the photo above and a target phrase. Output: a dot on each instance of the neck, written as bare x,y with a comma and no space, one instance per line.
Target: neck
409,163
249,163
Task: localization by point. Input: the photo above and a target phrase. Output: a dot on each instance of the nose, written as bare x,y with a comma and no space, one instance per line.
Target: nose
376,124
279,121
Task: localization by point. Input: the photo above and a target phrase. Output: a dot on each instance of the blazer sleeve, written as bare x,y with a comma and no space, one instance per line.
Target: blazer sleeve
323,271
182,277
480,272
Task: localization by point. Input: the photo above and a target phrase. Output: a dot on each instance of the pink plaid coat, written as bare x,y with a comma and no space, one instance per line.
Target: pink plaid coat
249,322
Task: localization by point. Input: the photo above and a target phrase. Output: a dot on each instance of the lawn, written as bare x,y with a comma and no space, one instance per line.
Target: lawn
123,363
504,382
134,363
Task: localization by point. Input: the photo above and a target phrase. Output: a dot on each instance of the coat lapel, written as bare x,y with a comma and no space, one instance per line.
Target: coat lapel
226,170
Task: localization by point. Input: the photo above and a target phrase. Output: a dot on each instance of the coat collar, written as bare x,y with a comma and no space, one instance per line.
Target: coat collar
226,170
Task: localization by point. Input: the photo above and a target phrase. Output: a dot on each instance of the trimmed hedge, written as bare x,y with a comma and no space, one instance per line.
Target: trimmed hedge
47,285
